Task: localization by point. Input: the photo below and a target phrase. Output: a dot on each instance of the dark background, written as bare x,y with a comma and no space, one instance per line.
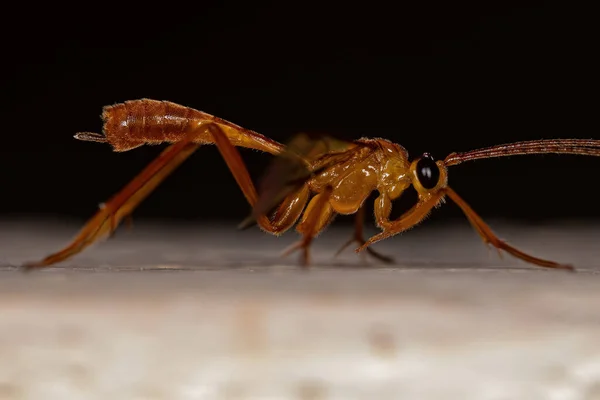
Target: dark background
437,77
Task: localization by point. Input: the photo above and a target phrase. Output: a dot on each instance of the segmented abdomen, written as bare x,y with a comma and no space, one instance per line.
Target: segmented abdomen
134,123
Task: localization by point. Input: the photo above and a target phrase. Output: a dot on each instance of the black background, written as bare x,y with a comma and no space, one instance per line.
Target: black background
436,77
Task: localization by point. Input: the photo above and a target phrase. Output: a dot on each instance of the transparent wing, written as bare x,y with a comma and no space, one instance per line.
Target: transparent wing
304,156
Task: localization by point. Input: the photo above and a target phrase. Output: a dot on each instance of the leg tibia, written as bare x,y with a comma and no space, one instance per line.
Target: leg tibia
317,216
288,211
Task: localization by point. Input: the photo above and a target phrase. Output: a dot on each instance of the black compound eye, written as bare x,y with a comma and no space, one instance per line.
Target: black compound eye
428,172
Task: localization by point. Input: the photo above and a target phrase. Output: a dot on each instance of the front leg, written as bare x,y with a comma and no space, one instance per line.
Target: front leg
383,209
490,238
420,211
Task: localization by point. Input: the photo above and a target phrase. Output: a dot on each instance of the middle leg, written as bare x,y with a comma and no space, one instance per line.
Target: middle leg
358,237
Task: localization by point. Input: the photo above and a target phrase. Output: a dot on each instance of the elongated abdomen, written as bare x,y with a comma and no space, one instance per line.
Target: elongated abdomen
134,123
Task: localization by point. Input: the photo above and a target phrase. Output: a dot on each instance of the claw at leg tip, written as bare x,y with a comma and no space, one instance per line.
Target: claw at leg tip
569,267
29,266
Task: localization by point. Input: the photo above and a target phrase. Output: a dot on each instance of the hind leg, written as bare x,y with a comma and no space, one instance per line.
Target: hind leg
316,217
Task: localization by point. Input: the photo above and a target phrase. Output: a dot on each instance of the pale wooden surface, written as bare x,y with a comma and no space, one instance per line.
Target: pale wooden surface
214,313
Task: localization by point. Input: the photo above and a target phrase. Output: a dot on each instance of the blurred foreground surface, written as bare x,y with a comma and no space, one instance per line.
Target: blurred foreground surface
197,312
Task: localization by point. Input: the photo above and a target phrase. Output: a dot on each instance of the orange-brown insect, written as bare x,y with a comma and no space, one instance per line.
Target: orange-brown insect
310,180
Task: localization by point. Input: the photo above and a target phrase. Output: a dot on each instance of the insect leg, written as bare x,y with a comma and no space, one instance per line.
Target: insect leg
290,209
236,165
358,237
412,217
317,216
124,202
490,238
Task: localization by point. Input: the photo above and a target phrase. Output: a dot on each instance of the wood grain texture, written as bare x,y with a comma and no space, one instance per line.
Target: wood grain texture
198,313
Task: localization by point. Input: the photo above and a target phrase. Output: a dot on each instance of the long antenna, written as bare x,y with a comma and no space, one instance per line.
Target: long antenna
586,147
